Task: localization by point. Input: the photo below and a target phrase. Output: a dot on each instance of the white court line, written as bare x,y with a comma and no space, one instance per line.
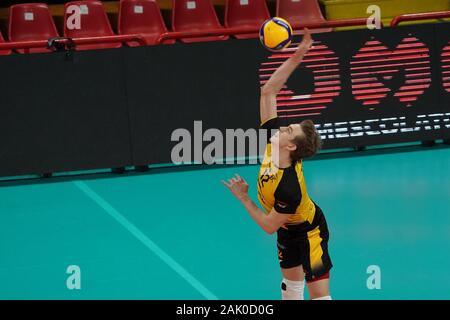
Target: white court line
145,240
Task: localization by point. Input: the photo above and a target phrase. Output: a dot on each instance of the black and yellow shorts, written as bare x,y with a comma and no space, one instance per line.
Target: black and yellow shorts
306,245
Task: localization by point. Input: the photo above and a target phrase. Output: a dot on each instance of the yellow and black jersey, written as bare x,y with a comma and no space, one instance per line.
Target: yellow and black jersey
303,240
284,188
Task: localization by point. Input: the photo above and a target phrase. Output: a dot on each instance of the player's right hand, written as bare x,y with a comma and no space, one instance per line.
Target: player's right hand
307,41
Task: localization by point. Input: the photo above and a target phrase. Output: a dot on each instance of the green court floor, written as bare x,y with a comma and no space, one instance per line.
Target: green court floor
181,235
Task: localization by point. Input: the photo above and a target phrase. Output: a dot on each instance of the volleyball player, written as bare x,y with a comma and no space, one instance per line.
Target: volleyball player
302,232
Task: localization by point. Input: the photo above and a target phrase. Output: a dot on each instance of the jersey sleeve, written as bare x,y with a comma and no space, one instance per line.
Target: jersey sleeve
286,203
269,125
288,194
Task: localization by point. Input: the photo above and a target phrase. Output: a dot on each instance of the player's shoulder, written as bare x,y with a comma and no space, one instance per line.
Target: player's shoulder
271,123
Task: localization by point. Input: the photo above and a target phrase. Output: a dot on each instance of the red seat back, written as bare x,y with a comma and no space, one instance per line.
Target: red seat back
141,17
195,15
93,23
31,22
299,12
3,52
246,14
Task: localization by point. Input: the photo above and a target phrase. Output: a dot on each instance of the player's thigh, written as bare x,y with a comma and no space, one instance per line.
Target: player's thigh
294,273
290,258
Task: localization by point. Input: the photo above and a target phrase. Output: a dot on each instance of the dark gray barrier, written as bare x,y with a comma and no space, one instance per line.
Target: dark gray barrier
442,72
382,89
170,87
62,115
111,108
361,87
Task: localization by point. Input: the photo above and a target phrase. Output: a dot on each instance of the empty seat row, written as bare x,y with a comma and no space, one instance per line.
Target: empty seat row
28,22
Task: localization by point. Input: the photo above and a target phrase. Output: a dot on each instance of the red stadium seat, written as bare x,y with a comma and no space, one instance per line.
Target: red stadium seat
195,15
93,23
31,22
141,17
300,13
3,52
246,14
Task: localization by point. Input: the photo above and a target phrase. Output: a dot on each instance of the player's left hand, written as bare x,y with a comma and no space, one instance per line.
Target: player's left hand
238,186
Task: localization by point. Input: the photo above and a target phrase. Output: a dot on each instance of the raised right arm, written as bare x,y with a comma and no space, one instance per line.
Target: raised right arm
268,101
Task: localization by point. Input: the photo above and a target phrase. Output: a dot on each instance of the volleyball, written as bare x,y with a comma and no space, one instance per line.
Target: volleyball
275,34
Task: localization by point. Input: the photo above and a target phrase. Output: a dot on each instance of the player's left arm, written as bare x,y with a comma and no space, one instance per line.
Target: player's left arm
271,222
268,222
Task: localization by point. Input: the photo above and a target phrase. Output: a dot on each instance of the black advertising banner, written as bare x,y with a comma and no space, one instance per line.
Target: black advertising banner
442,71
366,87
170,87
360,87
134,106
61,115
